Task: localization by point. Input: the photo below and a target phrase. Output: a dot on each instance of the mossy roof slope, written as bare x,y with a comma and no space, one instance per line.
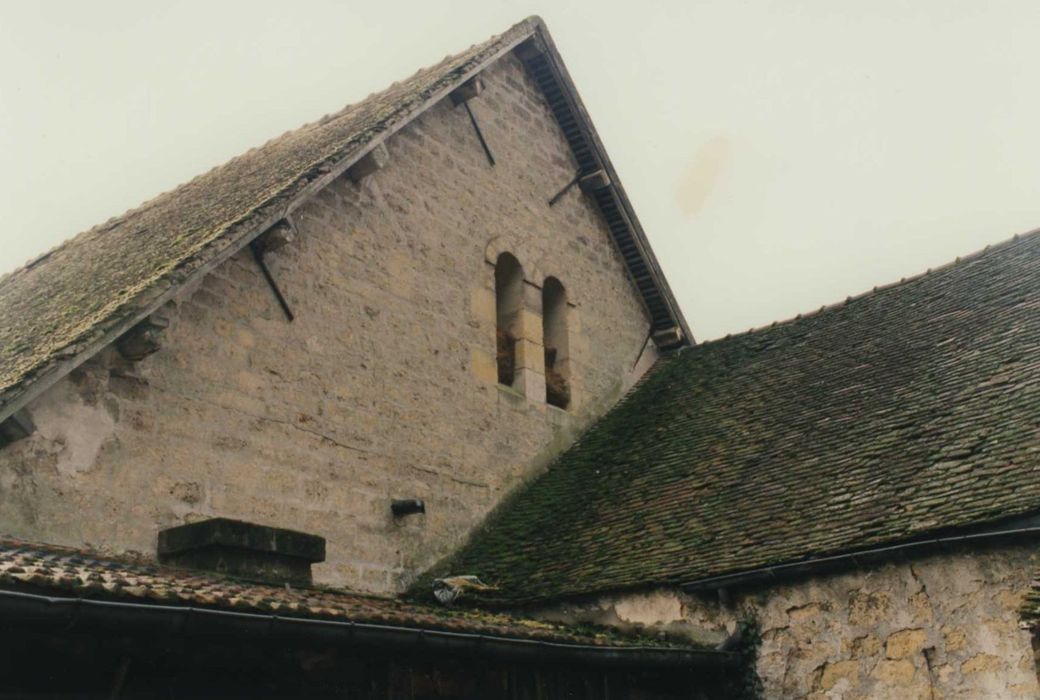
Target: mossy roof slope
69,298
908,409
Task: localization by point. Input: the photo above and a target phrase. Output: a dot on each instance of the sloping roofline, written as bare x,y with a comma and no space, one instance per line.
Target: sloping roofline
58,587
897,422
36,353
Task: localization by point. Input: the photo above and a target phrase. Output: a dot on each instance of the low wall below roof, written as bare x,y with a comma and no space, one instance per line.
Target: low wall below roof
943,626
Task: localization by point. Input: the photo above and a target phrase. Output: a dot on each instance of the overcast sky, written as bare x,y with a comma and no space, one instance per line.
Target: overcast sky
781,155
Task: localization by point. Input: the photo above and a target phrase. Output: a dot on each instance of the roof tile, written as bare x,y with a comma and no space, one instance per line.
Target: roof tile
905,410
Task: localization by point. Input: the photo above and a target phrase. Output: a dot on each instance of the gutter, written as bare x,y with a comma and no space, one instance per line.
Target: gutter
863,558
64,615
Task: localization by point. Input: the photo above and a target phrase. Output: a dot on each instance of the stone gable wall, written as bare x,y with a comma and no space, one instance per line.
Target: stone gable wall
383,387
944,626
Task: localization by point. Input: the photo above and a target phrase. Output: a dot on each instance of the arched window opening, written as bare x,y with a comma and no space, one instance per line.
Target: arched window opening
554,335
509,292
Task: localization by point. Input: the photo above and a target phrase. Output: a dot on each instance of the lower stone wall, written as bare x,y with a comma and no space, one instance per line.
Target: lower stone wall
944,626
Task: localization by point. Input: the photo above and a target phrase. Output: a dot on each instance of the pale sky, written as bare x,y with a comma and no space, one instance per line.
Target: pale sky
781,155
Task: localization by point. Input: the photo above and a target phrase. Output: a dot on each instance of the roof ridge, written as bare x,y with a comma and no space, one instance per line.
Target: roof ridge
989,249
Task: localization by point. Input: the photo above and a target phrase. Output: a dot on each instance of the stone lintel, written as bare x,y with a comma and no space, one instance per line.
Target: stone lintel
374,160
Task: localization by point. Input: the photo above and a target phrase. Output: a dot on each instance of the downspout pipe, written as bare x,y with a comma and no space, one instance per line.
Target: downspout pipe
857,559
64,615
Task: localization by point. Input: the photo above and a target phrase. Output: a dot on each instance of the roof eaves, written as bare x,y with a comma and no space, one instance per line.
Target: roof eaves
65,613
224,245
643,268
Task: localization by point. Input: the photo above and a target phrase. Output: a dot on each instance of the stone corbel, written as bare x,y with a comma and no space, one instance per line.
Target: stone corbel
467,91
594,181
668,337
143,339
374,160
276,237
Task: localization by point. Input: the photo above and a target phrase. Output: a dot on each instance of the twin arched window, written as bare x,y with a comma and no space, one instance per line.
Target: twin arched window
509,331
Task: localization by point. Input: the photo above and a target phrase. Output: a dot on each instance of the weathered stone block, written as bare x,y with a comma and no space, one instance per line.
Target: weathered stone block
530,355
837,672
531,326
894,671
484,366
905,643
983,663
482,305
532,385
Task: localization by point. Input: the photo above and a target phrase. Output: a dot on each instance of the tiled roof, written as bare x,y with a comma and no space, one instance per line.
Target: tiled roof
72,573
902,411
60,308
56,305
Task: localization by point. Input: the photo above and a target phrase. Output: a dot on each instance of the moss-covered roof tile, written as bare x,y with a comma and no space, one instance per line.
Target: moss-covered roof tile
912,408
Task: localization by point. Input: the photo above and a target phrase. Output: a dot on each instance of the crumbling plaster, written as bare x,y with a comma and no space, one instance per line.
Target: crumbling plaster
943,626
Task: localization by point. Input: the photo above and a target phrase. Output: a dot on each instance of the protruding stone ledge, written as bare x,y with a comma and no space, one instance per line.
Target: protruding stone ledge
242,549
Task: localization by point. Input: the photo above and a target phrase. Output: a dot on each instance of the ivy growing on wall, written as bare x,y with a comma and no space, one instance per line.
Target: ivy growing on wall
747,642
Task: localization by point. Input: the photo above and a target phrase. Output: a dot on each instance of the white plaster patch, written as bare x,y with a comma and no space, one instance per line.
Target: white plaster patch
79,430
654,608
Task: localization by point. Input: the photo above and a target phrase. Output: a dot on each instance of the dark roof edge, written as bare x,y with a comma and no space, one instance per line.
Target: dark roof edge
241,233
631,221
1022,527
948,540
66,613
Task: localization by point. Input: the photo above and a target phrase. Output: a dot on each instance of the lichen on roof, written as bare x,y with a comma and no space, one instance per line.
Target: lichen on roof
906,410
91,284
68,572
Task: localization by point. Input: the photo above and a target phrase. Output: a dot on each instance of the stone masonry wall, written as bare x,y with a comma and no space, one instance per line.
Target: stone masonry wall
941,627
383,387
